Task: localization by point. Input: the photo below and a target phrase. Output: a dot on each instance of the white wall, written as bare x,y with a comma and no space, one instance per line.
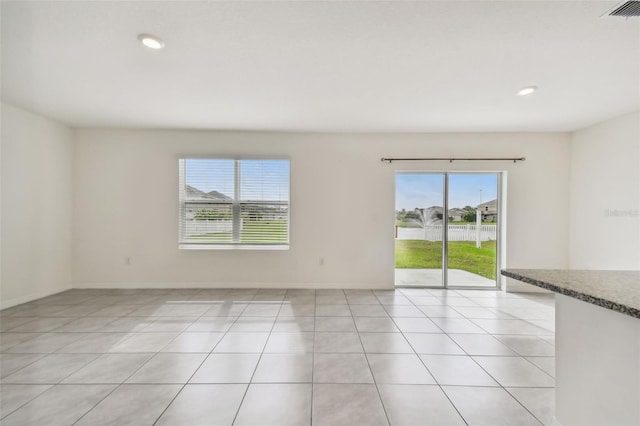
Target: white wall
597,365
605,178
36,206
342,205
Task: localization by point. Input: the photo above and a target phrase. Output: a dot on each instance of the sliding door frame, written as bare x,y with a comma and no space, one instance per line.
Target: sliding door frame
445,230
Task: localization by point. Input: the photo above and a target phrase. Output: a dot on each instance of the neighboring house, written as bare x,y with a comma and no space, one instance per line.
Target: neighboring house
456,214
433,215
217,206
489,210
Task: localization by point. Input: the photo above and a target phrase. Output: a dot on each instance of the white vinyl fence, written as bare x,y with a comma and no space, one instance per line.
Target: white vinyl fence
456,233
198,227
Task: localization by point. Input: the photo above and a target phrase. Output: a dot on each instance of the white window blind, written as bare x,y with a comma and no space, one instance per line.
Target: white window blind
241,203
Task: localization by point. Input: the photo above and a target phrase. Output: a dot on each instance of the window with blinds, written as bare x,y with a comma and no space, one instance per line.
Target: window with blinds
234,203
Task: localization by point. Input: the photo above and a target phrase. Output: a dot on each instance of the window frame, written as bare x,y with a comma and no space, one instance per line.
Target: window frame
236,205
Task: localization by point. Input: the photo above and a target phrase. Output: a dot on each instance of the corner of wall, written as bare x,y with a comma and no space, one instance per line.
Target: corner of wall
36,176
604,231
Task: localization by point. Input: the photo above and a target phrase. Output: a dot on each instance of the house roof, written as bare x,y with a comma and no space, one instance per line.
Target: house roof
489,203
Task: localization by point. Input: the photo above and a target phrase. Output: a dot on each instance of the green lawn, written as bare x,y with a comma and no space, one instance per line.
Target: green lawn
462,255
269,232
403,224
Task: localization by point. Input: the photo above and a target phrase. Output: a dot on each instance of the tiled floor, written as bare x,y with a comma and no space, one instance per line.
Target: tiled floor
278,357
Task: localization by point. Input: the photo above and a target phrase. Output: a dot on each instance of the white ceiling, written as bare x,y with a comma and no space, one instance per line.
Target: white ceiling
322,66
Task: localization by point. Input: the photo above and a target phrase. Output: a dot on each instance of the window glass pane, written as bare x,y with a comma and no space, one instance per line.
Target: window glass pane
209,180
264,180
264,223
207,223
210,213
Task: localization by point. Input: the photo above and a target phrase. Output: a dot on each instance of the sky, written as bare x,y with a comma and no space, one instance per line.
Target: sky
269,180
259,179
426,190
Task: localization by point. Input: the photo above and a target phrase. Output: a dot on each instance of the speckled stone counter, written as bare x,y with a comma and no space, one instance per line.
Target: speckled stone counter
615,290
597,344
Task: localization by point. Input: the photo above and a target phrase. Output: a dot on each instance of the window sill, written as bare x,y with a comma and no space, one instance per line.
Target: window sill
233,247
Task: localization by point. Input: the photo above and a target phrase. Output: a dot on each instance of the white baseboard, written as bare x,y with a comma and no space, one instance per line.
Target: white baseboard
4,304
167,285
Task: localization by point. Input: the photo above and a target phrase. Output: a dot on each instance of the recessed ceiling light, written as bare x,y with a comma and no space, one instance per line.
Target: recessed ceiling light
527,90
151,41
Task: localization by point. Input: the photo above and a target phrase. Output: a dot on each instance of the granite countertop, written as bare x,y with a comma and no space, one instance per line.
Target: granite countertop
615,290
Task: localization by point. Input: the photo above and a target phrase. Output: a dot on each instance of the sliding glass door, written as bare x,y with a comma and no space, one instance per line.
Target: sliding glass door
419,242
447,229
472,231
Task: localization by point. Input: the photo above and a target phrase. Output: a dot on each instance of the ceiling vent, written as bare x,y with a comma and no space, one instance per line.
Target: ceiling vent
627,9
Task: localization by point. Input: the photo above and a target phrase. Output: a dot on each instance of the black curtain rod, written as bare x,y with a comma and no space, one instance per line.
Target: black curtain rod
451,160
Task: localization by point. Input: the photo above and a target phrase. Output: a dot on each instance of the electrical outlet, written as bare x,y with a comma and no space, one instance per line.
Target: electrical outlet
127,260
322,261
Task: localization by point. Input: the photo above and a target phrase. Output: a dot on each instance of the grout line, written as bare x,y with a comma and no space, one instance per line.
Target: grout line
312,355
483,369
364,351
166,296
145,363
201,363
98,403
19,369
5,415
203,360
427,368
257,365
518,401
